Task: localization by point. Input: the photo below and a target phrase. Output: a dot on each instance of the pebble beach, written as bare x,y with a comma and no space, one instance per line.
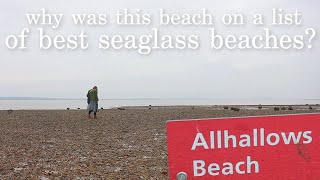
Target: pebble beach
125,143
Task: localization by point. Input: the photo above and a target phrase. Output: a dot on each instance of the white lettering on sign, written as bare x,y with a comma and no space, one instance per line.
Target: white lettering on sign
222,139
214,169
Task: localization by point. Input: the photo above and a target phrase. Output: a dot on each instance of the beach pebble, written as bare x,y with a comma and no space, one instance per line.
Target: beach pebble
117,169
44,178
235,109
48,172
23,164
17,169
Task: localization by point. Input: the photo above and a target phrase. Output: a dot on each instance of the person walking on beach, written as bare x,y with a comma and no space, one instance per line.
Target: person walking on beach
92,101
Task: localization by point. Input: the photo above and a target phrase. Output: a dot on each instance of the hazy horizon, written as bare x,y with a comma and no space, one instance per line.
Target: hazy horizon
66,98
204,74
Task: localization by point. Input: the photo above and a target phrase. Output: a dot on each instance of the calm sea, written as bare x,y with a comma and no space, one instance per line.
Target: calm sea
113,103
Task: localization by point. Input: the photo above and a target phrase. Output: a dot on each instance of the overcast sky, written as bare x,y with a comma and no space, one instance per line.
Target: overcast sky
203,73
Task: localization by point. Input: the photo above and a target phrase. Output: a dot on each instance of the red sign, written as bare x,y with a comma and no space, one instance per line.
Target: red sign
260,148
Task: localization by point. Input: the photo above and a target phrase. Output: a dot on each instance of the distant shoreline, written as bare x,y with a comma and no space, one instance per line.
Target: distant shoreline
61,104
160,99
243,107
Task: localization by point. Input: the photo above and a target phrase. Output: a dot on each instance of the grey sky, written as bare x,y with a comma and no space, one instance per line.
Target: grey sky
203,73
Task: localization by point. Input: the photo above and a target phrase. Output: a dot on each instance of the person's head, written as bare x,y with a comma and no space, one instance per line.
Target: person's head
95,88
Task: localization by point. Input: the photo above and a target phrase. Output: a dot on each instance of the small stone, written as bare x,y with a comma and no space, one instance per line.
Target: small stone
48,172
17,169
235,109
117,169
44,178
23,164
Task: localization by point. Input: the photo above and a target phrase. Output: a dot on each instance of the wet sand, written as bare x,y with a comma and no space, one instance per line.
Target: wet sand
120,144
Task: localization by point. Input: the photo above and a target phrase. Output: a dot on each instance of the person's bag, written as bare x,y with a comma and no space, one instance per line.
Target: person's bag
88,97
